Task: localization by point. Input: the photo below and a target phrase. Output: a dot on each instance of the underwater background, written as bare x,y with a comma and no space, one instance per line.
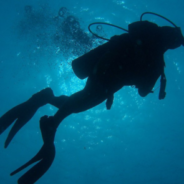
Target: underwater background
140,140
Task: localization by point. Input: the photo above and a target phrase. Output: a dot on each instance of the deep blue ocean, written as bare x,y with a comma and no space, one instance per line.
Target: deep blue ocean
139,141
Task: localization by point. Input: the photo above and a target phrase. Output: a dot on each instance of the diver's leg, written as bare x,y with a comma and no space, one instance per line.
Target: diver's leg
87,98
77,102
93,94
58,101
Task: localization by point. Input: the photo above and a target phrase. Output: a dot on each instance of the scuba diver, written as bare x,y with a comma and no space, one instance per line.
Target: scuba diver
133,58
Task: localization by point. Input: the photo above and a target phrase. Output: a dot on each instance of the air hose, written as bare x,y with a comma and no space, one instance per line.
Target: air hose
112,25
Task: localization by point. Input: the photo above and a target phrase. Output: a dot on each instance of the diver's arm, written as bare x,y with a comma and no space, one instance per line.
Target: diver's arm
58,101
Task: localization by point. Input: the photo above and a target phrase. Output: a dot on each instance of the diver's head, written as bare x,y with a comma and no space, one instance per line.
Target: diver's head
172,37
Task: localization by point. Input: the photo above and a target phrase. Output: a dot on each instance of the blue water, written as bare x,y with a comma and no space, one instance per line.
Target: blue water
139,141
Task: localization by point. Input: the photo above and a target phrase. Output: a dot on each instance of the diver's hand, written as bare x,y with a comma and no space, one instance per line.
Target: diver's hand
22,113
45,156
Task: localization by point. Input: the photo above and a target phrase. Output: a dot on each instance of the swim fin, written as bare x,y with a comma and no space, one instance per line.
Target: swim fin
22,113
45,156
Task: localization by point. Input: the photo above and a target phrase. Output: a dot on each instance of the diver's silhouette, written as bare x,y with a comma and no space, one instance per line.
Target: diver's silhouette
134,58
